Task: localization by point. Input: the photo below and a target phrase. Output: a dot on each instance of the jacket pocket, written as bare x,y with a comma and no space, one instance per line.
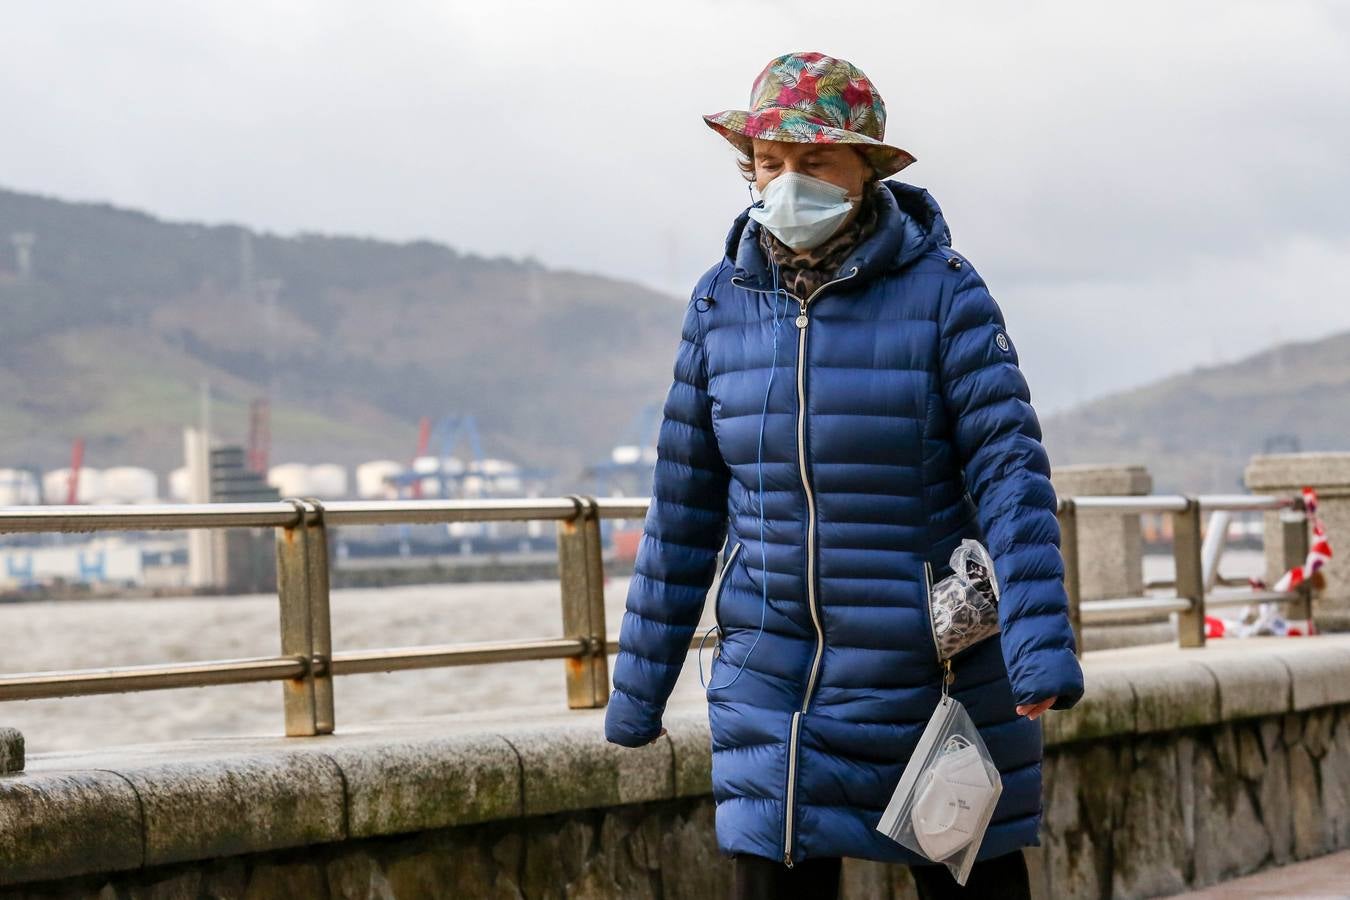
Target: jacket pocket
721,583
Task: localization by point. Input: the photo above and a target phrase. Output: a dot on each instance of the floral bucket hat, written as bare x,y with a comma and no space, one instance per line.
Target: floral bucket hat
813,98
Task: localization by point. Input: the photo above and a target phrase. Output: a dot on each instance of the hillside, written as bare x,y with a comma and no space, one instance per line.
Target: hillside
1196,430
124,315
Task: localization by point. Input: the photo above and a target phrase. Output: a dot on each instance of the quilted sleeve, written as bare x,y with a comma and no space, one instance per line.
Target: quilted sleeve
1007,470
685,527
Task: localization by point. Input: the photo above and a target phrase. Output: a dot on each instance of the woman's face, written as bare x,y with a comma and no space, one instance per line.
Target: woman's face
838,164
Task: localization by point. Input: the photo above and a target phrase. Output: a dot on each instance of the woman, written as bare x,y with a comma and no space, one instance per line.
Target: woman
847,406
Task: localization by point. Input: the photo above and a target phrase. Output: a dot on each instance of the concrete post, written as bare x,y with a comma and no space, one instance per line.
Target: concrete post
1110,548
1068,548
1329,474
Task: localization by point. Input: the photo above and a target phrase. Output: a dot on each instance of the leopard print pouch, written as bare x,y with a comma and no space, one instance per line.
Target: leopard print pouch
964,606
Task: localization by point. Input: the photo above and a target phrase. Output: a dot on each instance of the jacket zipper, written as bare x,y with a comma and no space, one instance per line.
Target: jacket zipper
803,321
721,578
788,800
928,607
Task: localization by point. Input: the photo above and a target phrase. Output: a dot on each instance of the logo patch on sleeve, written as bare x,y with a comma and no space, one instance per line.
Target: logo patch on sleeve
1002,340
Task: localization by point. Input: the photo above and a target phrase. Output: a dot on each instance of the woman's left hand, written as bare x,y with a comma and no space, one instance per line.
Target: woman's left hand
1032,711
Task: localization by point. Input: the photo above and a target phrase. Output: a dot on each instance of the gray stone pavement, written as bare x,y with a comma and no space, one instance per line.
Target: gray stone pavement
1324,877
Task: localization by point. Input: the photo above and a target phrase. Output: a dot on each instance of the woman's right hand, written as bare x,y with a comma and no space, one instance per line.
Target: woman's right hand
657,738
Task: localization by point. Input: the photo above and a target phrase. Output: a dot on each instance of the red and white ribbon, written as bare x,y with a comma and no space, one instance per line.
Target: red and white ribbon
1318,554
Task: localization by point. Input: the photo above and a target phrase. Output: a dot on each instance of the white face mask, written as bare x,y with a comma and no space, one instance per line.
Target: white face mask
802,211
953,802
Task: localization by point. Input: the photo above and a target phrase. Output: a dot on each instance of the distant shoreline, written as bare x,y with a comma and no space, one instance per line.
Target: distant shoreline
340,579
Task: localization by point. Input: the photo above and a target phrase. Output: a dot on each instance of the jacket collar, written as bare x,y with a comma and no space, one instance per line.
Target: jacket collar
910,223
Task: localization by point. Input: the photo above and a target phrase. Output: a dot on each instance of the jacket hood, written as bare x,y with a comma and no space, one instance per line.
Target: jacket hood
910,224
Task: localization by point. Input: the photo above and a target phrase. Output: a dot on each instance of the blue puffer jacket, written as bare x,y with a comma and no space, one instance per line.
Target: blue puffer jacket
897,423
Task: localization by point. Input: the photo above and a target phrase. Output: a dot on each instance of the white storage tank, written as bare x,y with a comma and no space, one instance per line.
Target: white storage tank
625,454
19,488
490,466
371,479
291,479
498,476
129,484
328,481
450,466
180,485
56,485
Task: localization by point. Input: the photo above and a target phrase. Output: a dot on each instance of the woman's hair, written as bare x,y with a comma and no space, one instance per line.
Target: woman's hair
746,163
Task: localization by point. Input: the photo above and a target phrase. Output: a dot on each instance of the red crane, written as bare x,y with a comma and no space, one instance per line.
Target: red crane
423,447
76,460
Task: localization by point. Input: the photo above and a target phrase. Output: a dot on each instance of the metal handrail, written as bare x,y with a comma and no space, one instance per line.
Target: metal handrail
307,662
1171,503
1248,597
437,512
1131,609
147,517
283,513
123,679
357,662
1190,596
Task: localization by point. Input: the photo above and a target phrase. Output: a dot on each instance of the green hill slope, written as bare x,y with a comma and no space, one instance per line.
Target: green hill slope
124,315
1197,430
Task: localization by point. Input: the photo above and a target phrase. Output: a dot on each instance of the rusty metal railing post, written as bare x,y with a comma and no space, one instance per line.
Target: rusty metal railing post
582,576
11,751
306,628
1186,546
1295,543
1073,581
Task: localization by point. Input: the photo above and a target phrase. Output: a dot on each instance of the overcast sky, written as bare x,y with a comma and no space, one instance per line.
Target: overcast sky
1161,186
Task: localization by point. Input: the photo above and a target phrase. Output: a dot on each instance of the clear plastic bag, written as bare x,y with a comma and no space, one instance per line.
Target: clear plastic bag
964,605
947,793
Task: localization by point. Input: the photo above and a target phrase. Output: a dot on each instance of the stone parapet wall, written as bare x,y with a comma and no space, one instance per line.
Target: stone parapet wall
1178,768
640,850
1153,815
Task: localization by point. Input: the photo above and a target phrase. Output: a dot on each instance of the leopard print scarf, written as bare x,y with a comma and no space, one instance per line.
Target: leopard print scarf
802,273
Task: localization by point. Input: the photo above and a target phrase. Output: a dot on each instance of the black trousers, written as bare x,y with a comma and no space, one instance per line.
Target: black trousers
757,878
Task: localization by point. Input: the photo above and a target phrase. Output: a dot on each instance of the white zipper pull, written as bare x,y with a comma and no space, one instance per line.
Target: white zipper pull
801,318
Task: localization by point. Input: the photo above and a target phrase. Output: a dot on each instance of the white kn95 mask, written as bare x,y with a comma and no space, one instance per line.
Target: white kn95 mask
955,798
